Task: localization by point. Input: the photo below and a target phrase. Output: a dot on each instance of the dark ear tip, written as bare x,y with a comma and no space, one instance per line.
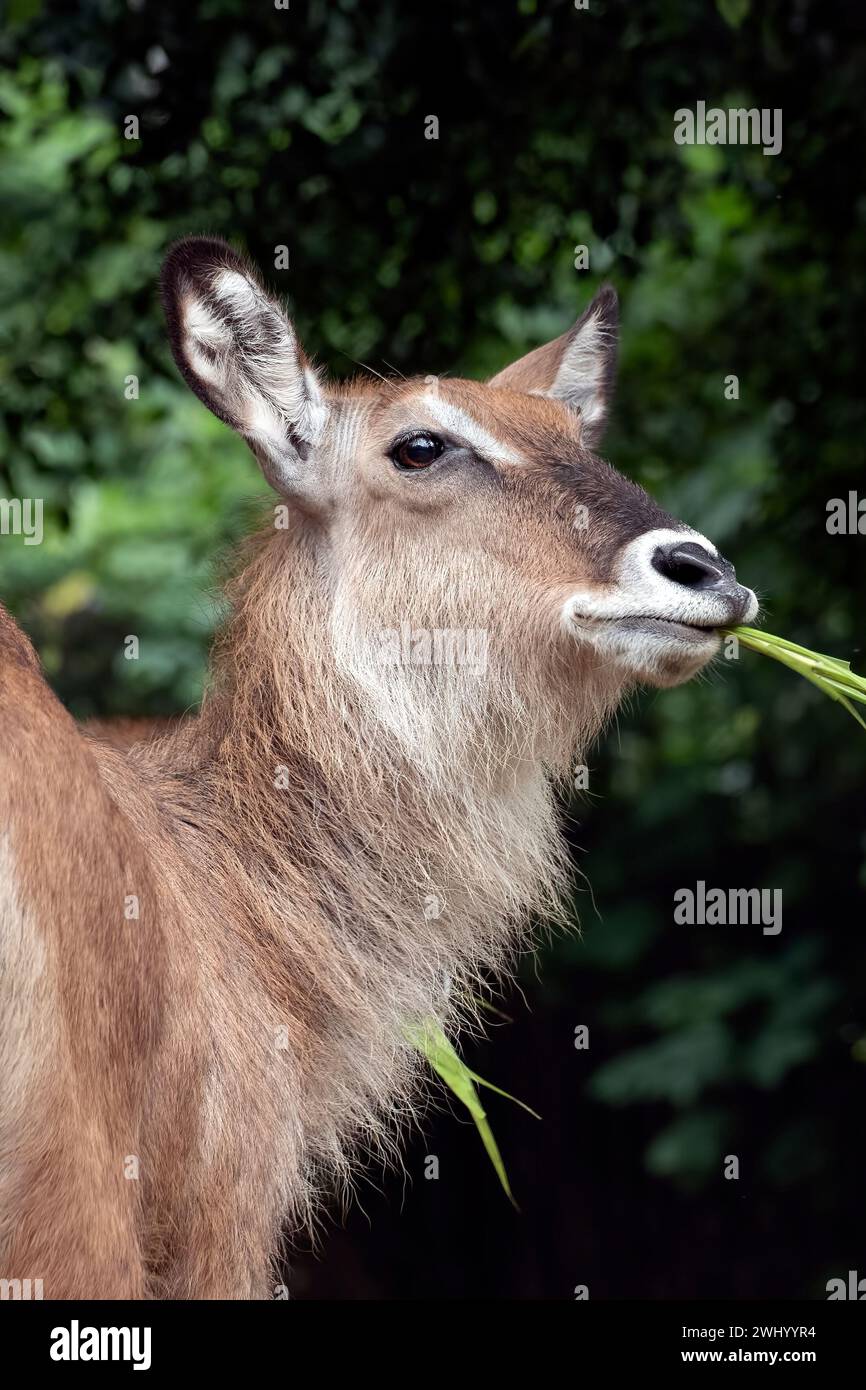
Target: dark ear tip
602,309
606,302
193,257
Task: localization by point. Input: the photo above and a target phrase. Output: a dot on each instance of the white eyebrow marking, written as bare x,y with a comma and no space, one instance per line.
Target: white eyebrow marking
452,418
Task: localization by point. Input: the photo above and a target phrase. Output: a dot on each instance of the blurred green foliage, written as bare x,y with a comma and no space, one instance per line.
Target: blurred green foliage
306,128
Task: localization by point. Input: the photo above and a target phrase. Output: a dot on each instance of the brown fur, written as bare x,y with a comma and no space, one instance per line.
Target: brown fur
328,854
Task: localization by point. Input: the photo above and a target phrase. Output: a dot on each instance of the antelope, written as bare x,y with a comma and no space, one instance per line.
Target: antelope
216,940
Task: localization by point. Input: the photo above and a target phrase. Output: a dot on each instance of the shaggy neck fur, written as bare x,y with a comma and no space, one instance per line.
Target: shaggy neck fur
371,877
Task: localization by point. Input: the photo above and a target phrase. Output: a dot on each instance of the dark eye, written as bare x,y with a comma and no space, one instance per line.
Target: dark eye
418,451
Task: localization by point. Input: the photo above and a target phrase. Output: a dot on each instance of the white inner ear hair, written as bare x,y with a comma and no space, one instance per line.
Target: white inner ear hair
580,377
253,360
204,329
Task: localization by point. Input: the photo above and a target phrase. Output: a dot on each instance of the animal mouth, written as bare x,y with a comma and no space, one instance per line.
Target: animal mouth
652,624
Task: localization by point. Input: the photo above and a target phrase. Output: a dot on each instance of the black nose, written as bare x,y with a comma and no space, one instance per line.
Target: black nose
689,564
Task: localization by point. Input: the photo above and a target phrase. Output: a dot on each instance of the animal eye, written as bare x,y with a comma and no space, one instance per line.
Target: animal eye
418,451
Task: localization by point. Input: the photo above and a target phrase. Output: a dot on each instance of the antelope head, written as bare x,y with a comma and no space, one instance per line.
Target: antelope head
486,577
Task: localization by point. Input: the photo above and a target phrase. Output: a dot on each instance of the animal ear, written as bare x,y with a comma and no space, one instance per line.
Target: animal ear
578,368
239,352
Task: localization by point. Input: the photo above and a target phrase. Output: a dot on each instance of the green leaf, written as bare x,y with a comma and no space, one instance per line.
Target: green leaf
432,1042
829,673
733,12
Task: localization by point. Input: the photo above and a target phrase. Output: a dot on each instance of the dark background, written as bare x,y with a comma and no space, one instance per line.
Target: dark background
306,128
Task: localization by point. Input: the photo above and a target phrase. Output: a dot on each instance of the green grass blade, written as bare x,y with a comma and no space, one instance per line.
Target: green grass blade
479,1080
855,714
830,674
461,1081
